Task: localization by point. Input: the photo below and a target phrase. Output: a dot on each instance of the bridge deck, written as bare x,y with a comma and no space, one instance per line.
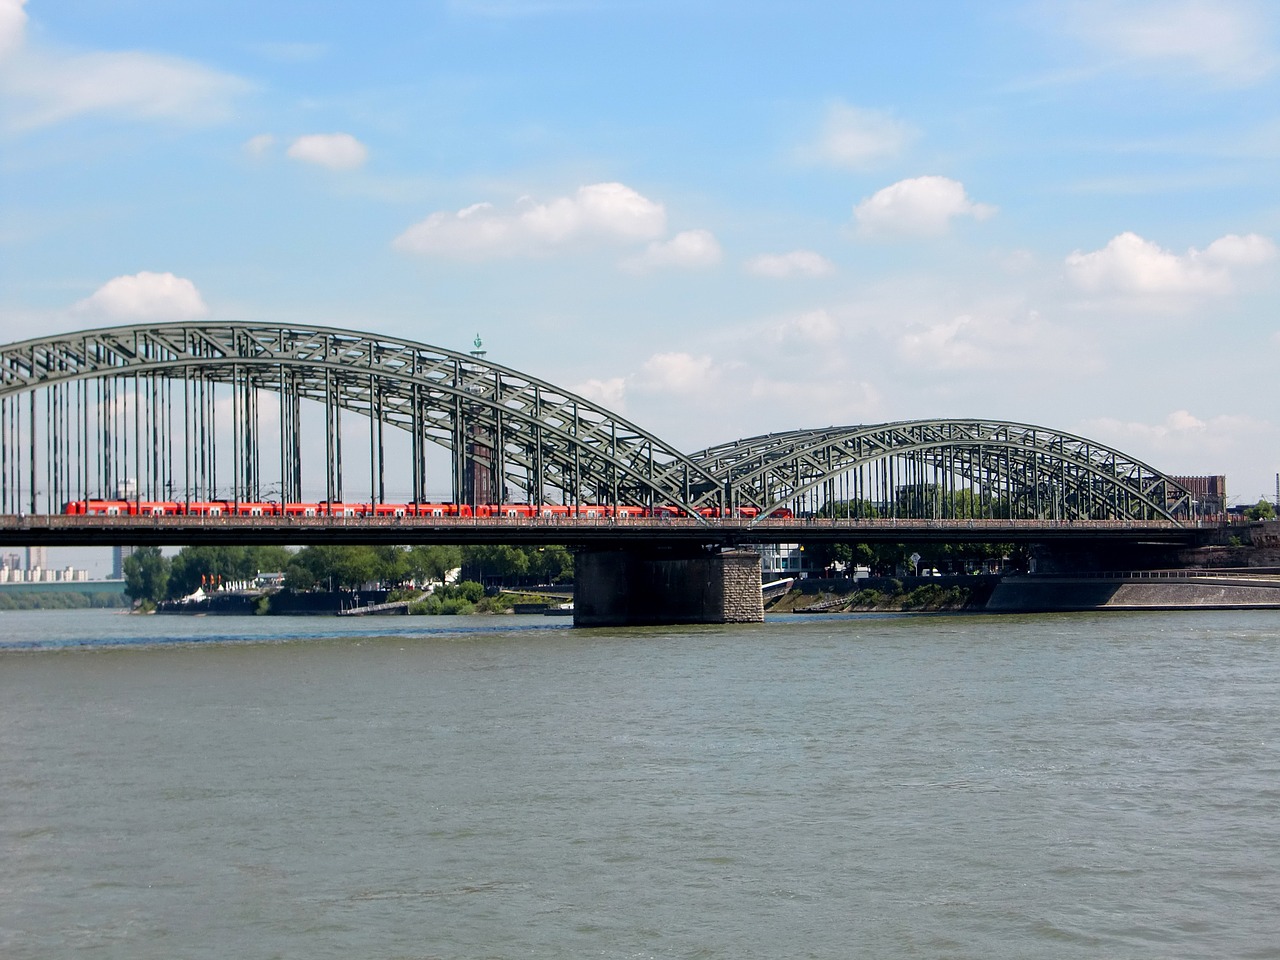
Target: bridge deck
61,530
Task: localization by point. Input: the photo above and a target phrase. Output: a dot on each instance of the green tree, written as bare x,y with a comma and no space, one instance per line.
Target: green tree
432,563
196,565
332,566
551,564
494,560
391,565
146,575
1262,510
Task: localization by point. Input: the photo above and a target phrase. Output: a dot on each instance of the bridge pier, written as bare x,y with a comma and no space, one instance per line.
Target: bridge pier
638,586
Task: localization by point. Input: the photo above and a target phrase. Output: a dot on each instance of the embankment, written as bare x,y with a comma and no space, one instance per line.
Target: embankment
1151,590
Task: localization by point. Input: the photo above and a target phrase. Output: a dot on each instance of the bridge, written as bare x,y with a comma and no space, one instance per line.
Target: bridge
245,432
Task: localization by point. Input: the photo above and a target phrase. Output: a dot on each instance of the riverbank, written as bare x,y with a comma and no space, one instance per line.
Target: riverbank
78,595
449,601
1225,589
886,595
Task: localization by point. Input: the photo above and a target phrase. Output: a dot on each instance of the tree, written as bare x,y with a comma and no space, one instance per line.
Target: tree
391,565
332,567
551,564
146,575
427,563
1262,510
494,561
194,566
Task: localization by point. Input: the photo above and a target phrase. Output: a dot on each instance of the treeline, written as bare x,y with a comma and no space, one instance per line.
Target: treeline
60,599
886,559
151,576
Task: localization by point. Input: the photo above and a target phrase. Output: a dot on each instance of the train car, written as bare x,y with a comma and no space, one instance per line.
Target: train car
508,511
207,508
250,509
108,508
157,508
336,509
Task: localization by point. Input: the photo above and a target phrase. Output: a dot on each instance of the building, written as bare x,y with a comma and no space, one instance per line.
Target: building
118,557
781,560
1208,494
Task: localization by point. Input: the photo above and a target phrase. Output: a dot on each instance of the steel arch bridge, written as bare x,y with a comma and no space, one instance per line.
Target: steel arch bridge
943,469
204,411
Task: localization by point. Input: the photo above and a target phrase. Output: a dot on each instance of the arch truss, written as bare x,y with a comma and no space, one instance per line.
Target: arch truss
944,469
232,410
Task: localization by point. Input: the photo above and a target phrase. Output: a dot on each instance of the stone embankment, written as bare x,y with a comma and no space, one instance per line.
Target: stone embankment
1138,590
1141,590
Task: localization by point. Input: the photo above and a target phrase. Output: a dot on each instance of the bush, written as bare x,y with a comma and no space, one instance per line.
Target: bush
867,598
930,595
456,606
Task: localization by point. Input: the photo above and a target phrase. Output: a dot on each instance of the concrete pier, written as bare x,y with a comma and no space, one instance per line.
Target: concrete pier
637,586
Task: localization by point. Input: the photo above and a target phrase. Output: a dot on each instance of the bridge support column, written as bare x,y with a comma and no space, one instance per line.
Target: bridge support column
635,586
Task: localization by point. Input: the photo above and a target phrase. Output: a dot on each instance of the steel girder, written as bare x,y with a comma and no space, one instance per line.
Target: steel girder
1045,470
531,432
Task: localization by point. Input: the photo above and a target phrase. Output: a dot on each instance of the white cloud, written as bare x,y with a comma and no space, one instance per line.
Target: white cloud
13,26
610,394
797,263
44,86
1234,250
1226,40
808,403
1180,432
336,151
146,296
676,372
689,249
857,138
814,327
258,146
922,206
1131,265
604,211
994,337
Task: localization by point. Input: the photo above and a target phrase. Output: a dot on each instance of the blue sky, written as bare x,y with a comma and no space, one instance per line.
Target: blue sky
719,219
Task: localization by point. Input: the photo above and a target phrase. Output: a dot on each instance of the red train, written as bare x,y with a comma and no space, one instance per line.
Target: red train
227,508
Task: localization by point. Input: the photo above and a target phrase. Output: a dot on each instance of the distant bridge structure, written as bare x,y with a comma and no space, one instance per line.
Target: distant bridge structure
248,412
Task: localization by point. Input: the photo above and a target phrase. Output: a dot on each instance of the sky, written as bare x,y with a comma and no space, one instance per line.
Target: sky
718,219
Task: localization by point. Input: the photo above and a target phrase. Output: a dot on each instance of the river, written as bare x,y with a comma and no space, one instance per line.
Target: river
1083,785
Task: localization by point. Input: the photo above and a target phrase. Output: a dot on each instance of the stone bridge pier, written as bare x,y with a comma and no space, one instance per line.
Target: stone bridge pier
638,586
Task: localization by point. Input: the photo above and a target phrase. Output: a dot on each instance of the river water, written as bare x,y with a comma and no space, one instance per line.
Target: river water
864,786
